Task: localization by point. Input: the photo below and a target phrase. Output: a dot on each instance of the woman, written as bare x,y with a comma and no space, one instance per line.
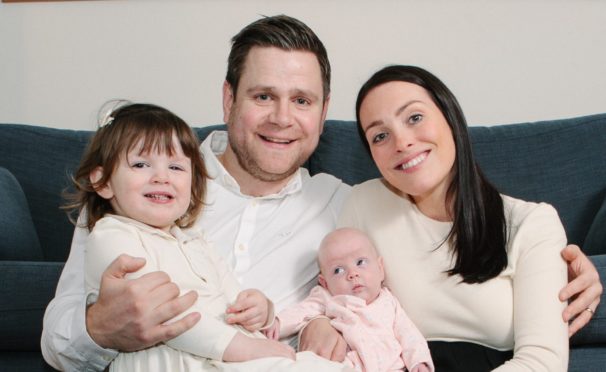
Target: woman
477,271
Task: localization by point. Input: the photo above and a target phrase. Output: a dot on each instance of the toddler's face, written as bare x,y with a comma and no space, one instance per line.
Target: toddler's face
350,265
153,188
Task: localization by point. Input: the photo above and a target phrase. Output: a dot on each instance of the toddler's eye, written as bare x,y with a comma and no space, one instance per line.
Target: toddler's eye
139,164
176,167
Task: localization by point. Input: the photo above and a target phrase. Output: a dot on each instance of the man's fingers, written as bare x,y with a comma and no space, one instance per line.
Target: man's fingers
172,330
167,310
123,265
339,350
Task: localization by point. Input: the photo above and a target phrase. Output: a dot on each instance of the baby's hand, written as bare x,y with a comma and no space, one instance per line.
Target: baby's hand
243,348
251,310
420,368
273,332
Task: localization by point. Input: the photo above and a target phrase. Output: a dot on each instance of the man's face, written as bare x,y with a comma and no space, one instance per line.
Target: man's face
276,117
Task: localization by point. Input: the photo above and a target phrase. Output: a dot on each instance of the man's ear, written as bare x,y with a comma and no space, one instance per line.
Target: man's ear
322,281
228,100
324,112
105,191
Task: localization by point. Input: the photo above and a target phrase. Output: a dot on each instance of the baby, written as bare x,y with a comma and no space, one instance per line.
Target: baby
379,334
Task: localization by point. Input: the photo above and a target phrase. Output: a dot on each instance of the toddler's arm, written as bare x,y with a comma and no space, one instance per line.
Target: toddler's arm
243,348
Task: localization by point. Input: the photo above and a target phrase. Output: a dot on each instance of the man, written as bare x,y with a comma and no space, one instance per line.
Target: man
264,213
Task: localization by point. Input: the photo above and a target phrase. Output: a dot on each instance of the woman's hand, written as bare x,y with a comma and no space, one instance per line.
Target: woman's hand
321,338
251,310
243,348
583,288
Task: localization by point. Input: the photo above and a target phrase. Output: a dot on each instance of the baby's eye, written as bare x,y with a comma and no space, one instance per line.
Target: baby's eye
338,271
361,262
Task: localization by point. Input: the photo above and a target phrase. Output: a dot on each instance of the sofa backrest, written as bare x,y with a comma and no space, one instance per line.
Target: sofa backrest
562,162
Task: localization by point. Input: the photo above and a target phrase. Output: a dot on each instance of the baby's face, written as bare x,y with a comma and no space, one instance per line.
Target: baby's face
350,265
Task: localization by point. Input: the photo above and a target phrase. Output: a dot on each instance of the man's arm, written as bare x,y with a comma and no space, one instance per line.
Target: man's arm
583,288
67,343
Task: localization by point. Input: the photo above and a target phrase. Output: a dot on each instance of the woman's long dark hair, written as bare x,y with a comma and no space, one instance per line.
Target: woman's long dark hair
479,232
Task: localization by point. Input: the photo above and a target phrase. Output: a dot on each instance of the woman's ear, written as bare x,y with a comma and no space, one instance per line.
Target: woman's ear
105,191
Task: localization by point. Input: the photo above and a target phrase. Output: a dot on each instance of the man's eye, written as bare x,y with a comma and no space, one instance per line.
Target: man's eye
379,137
263,97
338,271
302,101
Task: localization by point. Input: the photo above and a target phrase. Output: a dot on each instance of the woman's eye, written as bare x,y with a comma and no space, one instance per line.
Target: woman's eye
338,271
415,118
379,137
361,262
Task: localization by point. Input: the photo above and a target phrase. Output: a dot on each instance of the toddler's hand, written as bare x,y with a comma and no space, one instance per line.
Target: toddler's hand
243,348
420,368
251,310
273,332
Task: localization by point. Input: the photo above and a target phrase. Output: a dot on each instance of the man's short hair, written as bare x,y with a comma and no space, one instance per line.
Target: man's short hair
279,31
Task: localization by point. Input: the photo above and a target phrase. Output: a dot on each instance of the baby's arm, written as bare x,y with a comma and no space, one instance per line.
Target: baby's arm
294,318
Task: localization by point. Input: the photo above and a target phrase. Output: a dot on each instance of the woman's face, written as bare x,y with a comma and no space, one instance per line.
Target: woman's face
409,139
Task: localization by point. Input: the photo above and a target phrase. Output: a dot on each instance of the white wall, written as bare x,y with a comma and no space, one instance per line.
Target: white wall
507,61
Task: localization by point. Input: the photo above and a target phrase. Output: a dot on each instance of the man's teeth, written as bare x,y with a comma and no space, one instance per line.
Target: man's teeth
411,163
277,140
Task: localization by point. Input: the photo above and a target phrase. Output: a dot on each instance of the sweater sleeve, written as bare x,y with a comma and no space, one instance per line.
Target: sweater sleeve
293,318
414,347
540,334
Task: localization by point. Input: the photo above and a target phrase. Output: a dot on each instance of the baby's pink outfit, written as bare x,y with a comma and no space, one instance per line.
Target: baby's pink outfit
380,335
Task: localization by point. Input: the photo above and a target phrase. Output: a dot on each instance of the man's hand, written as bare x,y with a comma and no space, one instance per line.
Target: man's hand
583,288
321,338
129,315
251,310
273,332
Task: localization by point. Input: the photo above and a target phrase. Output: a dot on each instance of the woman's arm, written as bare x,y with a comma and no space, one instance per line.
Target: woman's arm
540,334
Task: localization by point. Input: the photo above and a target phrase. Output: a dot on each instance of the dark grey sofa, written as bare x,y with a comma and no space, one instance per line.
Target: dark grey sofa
562,162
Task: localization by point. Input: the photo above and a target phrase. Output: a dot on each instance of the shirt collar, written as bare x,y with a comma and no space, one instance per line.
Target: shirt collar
215,144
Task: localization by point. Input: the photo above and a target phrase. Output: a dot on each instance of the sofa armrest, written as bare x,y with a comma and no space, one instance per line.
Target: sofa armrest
26,288
595,331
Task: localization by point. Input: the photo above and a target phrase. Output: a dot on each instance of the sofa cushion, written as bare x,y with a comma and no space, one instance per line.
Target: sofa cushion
18,238
26,288
43,159
595,241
